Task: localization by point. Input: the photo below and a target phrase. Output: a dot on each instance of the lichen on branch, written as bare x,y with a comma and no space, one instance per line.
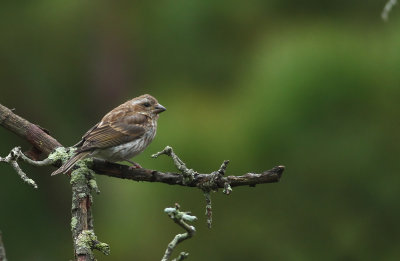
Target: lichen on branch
16,154
209,184
86,241
180,218
188,174
83,183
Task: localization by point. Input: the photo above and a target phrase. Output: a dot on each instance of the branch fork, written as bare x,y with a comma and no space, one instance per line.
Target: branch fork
179,218
13,157
188,174
207,185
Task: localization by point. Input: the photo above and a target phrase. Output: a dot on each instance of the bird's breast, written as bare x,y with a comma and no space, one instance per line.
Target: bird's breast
126,150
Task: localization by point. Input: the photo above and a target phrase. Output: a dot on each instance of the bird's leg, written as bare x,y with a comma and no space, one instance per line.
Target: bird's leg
134,164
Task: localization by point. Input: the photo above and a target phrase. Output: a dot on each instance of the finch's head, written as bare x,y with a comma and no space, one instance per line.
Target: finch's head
147,104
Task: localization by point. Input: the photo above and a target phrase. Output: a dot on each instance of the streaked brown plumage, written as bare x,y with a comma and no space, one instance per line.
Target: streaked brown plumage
123,133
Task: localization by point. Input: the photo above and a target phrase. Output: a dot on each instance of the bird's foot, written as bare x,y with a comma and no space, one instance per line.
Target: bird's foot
134,165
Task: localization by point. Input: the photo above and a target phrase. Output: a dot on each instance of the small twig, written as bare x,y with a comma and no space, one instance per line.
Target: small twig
223,167
12,159
188,174
182,256
2,249
227,187
15,155
179,218
210,185
207,195
37,163
387,9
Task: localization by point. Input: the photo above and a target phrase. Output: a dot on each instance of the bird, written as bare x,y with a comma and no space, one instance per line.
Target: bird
121,134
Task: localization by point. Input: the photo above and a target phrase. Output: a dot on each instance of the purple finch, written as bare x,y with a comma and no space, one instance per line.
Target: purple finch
123,133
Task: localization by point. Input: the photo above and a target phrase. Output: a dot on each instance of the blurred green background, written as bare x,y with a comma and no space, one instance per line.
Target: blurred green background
312,85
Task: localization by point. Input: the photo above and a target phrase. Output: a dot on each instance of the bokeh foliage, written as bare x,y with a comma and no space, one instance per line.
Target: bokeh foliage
312,85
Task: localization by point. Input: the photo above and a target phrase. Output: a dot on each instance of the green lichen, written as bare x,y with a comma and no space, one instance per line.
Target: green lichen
82,172
82,195
227,188
188,176
74,222
77,177
93,185
83,176
85,163
74,206
83,182
62,154
102,247
86,241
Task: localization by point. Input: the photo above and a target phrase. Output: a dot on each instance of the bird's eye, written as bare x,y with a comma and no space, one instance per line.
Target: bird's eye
146,104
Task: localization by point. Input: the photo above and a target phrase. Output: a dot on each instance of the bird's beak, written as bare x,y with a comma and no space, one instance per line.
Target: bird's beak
159,108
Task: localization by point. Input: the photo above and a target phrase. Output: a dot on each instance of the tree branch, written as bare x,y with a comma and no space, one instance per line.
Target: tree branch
179,218
44,143
12,159
82,178
83,183
34,134
116,170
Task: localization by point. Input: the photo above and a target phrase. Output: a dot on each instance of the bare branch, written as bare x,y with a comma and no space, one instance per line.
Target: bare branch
34,134
179,218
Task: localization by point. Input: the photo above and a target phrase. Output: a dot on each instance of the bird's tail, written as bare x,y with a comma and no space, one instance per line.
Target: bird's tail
71,162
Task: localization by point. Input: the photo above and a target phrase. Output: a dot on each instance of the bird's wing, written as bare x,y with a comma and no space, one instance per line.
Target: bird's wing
113,131
80,143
